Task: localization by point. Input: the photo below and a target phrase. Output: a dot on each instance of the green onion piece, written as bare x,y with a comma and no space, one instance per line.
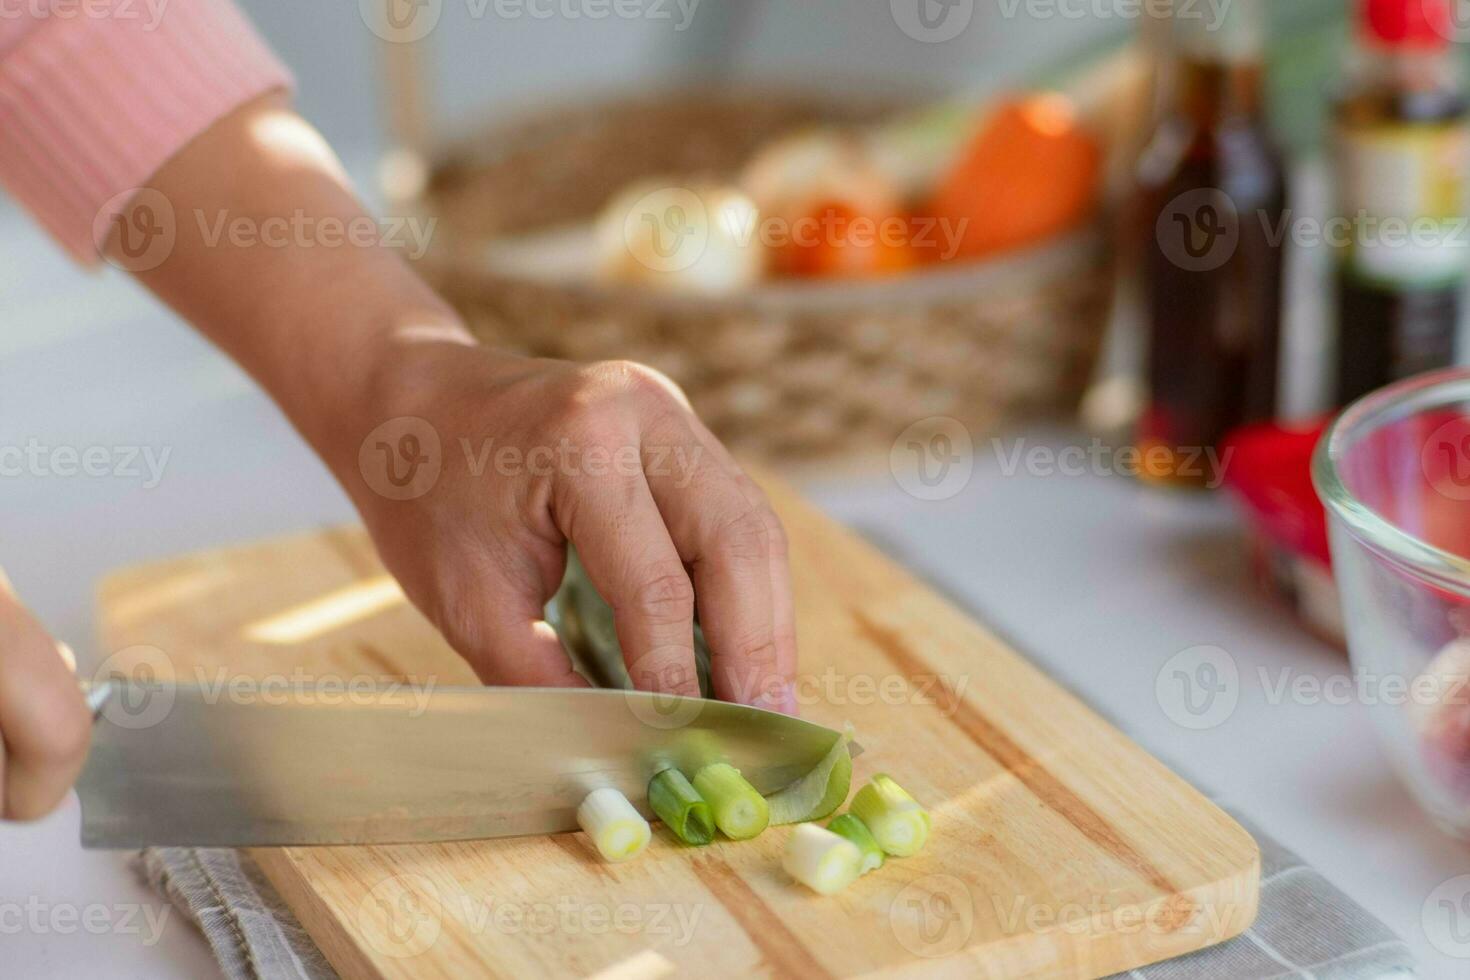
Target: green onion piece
820,792
856,831
739,810
821,860
616,828
898,823
681,808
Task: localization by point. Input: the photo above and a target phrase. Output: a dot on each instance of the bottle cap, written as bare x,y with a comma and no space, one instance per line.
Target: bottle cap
1408,23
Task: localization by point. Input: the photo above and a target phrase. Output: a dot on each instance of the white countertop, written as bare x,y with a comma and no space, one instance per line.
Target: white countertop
1098,580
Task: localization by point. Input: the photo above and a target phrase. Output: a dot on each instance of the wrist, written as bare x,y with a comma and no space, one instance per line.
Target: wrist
381,366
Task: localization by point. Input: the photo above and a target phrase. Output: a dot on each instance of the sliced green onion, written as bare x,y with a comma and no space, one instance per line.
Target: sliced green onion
823,861
855,830
738,809
681,808
820,792
898,823
618,831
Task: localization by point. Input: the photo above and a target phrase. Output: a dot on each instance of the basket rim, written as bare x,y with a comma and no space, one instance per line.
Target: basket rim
1009,273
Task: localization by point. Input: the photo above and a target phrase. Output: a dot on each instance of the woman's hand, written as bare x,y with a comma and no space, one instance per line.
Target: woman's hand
44,721
374,369
473,471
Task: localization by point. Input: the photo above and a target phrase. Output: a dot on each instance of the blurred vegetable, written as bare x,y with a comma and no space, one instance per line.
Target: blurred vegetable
1031,172
696,237
837,241
829,210
791,177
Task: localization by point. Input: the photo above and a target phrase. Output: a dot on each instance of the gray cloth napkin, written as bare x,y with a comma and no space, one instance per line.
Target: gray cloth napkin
253,934
1307,928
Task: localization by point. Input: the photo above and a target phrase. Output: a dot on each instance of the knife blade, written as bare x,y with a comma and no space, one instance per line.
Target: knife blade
195,766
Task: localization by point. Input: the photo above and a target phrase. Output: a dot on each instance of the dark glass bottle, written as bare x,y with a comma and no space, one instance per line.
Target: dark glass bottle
1402,143
1211,212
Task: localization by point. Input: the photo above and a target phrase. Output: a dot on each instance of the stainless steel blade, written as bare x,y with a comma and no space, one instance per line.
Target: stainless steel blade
195,766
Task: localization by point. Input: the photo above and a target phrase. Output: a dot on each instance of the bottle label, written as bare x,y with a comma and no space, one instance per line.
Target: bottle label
1402,199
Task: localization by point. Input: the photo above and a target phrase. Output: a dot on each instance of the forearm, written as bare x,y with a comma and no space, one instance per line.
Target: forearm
277,262
345,337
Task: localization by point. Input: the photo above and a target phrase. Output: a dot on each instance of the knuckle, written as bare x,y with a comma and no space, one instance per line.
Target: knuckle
665,670
633,385
588,413
758,653
745,536
665,596
754,669
630,377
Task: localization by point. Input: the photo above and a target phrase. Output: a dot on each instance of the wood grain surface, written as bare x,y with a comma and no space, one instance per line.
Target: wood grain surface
1059,850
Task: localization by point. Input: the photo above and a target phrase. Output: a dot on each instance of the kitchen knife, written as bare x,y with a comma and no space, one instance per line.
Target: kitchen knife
229,767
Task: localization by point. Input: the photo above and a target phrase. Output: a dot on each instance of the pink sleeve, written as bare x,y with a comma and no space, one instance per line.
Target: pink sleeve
92,104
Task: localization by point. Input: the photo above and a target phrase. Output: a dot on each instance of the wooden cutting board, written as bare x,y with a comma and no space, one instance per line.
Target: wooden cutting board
1059,849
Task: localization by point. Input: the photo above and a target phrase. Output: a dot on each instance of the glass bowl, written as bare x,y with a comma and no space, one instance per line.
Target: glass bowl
1394,474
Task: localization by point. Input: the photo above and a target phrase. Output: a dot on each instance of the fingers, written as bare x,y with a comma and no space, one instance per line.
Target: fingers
44,721
500,628
631,561
783,605
734,545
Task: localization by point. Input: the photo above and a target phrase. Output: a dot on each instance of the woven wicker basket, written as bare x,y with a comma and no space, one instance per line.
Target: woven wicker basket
788,371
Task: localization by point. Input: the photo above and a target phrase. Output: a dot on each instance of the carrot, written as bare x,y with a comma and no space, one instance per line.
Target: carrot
1031,172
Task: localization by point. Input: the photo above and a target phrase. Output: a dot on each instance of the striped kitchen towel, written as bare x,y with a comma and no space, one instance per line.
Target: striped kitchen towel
1306,928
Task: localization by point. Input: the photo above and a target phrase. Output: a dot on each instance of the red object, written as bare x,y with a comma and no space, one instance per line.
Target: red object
1408,23
1033,171
838,241
1269,469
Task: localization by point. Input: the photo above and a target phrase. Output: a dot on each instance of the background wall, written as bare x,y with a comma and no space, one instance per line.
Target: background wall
493,54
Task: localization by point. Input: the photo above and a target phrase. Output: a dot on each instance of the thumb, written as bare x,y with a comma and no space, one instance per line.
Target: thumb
45,726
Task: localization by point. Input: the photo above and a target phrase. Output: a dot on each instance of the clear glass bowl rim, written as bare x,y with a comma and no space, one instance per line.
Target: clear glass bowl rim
1437,389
